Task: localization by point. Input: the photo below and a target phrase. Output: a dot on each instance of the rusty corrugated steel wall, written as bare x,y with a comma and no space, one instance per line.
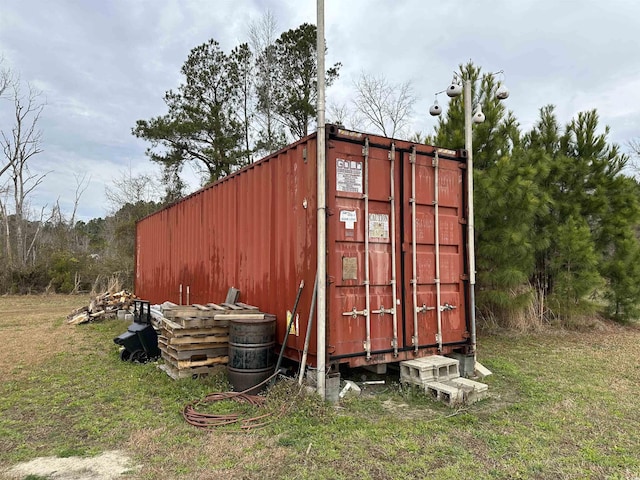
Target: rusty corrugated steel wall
256,230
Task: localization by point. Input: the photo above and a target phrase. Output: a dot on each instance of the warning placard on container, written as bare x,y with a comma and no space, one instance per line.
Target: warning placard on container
348,176
378,225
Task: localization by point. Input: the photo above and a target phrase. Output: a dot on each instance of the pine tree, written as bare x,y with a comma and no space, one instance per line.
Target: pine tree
588,229
202,124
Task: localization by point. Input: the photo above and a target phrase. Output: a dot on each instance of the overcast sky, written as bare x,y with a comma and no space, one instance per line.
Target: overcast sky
102,65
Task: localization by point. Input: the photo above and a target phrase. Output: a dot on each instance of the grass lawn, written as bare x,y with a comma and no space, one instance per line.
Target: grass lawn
562,405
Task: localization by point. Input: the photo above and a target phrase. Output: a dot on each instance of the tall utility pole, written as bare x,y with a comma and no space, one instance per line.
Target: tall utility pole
322,211
468,145
463,85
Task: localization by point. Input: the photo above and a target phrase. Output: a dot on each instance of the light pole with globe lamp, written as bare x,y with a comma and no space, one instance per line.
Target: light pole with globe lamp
459,85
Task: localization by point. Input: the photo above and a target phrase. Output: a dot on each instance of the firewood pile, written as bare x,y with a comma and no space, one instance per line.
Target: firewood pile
105,305
194,339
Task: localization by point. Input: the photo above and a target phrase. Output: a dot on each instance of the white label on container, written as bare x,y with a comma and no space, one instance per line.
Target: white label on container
378,225
348,176
349,218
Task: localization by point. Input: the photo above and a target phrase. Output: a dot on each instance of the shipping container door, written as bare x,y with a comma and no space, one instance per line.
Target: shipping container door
361,246
433,267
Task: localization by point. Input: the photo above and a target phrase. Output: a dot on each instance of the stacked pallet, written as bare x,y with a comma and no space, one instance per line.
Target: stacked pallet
194,339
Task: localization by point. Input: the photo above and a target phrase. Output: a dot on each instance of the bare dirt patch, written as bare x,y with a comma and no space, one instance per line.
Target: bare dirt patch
107,466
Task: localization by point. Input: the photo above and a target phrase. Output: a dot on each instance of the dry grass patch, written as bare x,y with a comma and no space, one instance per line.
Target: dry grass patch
32,331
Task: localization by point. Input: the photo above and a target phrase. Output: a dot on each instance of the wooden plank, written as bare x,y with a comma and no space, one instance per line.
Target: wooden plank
203,322
246,306
186,311
170,324
203,339
203,363
196,346
232,295
79,318
201,307
231,306
180,364
200,353
215,306
180,331
239,315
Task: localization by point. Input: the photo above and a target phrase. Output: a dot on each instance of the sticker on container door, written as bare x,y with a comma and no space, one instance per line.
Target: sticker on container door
348,176
378,225
348,217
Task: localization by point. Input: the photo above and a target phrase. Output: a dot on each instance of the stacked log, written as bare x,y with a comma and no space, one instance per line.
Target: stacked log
105,305
194,339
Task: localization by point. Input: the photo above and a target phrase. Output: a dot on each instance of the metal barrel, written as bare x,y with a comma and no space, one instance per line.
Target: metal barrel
244,379
251,351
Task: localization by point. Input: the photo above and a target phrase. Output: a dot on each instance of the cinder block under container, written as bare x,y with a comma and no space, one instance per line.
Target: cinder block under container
428,369
440,377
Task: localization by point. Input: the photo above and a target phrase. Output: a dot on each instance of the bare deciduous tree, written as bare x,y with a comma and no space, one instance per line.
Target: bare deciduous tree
19,145
5,80
385,106
634,147
133,189
346,115
262,38
82,183
5,77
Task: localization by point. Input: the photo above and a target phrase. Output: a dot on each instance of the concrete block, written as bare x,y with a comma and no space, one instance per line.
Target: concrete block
470,384
472,390
416,372
481,371
350,388
332,387
465,362
448,394
428,369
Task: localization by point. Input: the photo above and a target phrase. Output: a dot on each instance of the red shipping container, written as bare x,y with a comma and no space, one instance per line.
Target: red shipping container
393,291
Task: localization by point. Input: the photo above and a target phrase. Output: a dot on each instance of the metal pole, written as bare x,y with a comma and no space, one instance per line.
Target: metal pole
367,294
307,337
288,331
468,145
414,251
394,308
436,221
322,209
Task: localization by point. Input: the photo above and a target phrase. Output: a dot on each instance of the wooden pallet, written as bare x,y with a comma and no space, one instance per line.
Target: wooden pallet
192,354
196,336
198,362
179,330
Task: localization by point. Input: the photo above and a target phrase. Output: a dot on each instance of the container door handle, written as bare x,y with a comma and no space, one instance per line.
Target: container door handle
424,309
381,311
447,307
354,313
